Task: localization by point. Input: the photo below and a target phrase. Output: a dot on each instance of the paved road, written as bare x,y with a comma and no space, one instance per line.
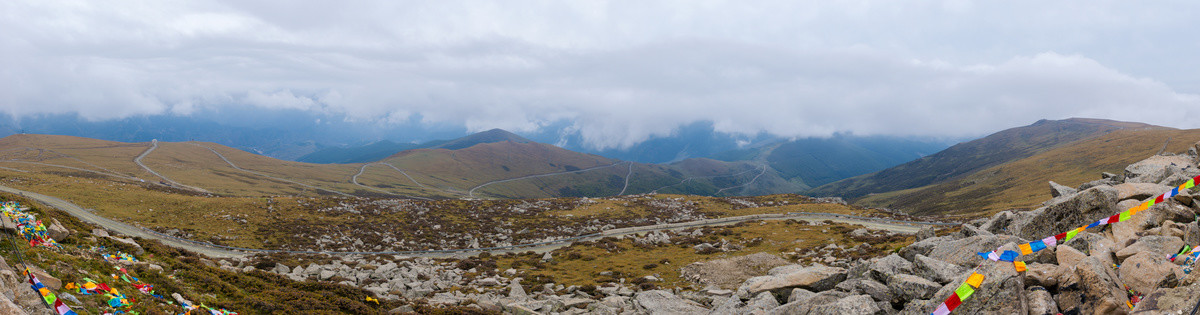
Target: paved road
226,251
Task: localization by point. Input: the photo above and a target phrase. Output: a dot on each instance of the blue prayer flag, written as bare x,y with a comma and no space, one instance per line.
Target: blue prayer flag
1009,255
1037,245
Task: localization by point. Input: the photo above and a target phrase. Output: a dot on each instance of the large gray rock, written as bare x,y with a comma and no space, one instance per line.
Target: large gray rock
8,307
815,278
963,252
516,291
882,269
802,294
1043,275
1161,245
924,246
1091,243
908,287
1094,289
664,302
1040,302
761,304
137,248
1083,208
1179,300
1140,191
1068,256
998,223
876,290
1003,286
855,304
1147,271
730,306
56,230
1057,190
936,270
925,232
1156,168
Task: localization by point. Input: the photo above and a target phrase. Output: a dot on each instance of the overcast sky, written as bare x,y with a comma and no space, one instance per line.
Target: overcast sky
620,71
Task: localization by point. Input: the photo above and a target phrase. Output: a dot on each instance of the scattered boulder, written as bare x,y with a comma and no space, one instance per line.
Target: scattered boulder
46,279
1040,301
137,247
1043,275
1083,208
1068,256
925,232
7,224
884,268
800,294
936,270
762,303
1176,300
1140,191
908,287
1057,190
1096,289
665,302
1147,271
515,291
855,304
876,290
1161,245
816,278
56,230
963,252
728,273
1156,168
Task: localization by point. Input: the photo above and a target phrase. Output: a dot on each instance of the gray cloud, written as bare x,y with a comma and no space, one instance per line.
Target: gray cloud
618,72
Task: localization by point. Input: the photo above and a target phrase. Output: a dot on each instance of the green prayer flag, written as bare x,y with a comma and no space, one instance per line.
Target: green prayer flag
964,291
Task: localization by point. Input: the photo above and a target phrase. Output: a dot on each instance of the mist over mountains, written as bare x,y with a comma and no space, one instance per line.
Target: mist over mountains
309,137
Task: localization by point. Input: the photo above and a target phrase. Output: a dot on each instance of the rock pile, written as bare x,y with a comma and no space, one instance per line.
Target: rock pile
1114,269
1121,268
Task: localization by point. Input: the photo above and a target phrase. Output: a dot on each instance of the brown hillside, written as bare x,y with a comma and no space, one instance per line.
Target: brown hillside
1023,183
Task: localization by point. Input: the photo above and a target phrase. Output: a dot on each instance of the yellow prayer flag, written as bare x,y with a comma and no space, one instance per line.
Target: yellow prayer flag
975,280
1020,265
1025,249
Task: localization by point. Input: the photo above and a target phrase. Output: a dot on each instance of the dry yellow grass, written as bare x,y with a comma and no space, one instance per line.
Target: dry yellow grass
630,262
1022,184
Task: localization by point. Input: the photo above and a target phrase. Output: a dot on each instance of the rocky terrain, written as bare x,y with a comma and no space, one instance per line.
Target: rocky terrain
1113,269
388,225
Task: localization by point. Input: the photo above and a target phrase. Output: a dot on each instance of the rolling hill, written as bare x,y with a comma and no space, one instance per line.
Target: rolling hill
1009,169
493,164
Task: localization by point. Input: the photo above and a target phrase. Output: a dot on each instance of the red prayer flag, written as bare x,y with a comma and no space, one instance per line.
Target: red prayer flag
953,302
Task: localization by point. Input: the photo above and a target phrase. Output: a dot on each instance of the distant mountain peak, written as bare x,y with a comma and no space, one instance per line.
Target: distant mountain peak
490,136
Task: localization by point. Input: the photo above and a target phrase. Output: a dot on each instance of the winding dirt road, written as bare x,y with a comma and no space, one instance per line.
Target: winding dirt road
234,166
154,145
471,193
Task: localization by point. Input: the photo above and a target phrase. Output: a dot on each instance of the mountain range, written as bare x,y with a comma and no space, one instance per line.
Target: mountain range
1010,169
1000,171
